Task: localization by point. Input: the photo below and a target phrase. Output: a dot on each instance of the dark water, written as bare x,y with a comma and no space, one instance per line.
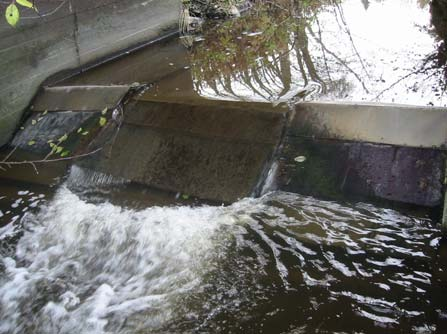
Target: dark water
279,264
89,253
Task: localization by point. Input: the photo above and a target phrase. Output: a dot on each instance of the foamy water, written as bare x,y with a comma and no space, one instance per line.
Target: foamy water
80,267
282,263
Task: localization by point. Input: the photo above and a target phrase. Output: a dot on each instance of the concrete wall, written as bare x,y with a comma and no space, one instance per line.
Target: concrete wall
374,151
70,34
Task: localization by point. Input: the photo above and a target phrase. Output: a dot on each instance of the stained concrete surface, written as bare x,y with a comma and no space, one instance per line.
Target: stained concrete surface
340,169
212,153
70,34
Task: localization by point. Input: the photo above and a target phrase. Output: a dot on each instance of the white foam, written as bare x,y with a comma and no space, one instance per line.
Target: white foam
89,263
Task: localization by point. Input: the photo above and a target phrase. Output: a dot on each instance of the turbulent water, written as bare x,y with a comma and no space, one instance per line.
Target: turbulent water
278,264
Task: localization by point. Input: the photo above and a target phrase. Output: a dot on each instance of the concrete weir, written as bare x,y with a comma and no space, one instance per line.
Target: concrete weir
217,151
222,150
382,151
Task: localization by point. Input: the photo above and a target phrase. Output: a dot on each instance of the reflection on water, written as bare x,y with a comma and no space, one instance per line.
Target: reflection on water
279,264
326,50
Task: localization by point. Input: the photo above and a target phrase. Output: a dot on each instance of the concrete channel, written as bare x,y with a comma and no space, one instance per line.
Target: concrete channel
209,149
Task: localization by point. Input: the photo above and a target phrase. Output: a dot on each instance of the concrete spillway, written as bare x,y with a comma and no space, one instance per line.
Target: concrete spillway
222,151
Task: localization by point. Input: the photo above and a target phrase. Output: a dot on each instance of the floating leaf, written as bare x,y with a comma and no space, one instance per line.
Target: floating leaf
31,142
22,128
185,196
79,130
12,14
65,153
85,133
45,112
39,119
104,111
102,121
300,158
33,122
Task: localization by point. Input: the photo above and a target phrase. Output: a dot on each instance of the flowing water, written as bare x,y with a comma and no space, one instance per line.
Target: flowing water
282,263
89,253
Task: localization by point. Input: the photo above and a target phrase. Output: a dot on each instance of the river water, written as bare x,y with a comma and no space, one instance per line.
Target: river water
94,254
282,263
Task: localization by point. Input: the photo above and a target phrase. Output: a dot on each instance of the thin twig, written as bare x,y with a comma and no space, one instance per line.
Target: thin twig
9,154
34,162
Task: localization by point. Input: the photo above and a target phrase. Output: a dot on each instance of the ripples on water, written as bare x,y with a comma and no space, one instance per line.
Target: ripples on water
282,263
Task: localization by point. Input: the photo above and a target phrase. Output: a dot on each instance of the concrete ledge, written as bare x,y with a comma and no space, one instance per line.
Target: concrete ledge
375,123
85,98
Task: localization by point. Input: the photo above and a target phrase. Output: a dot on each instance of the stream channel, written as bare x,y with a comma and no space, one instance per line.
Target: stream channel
87,253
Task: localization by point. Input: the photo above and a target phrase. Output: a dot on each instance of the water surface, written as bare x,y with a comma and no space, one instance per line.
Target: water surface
89,253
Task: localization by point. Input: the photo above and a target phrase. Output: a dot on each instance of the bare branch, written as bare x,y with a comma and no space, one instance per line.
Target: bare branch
34,162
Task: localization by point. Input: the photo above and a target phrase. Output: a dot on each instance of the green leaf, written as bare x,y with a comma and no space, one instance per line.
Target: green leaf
65,153
31,142
45,112
79,130
52,145
63,138
85,133
104,111
59,149
12,14
102,121
185,196
25,3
